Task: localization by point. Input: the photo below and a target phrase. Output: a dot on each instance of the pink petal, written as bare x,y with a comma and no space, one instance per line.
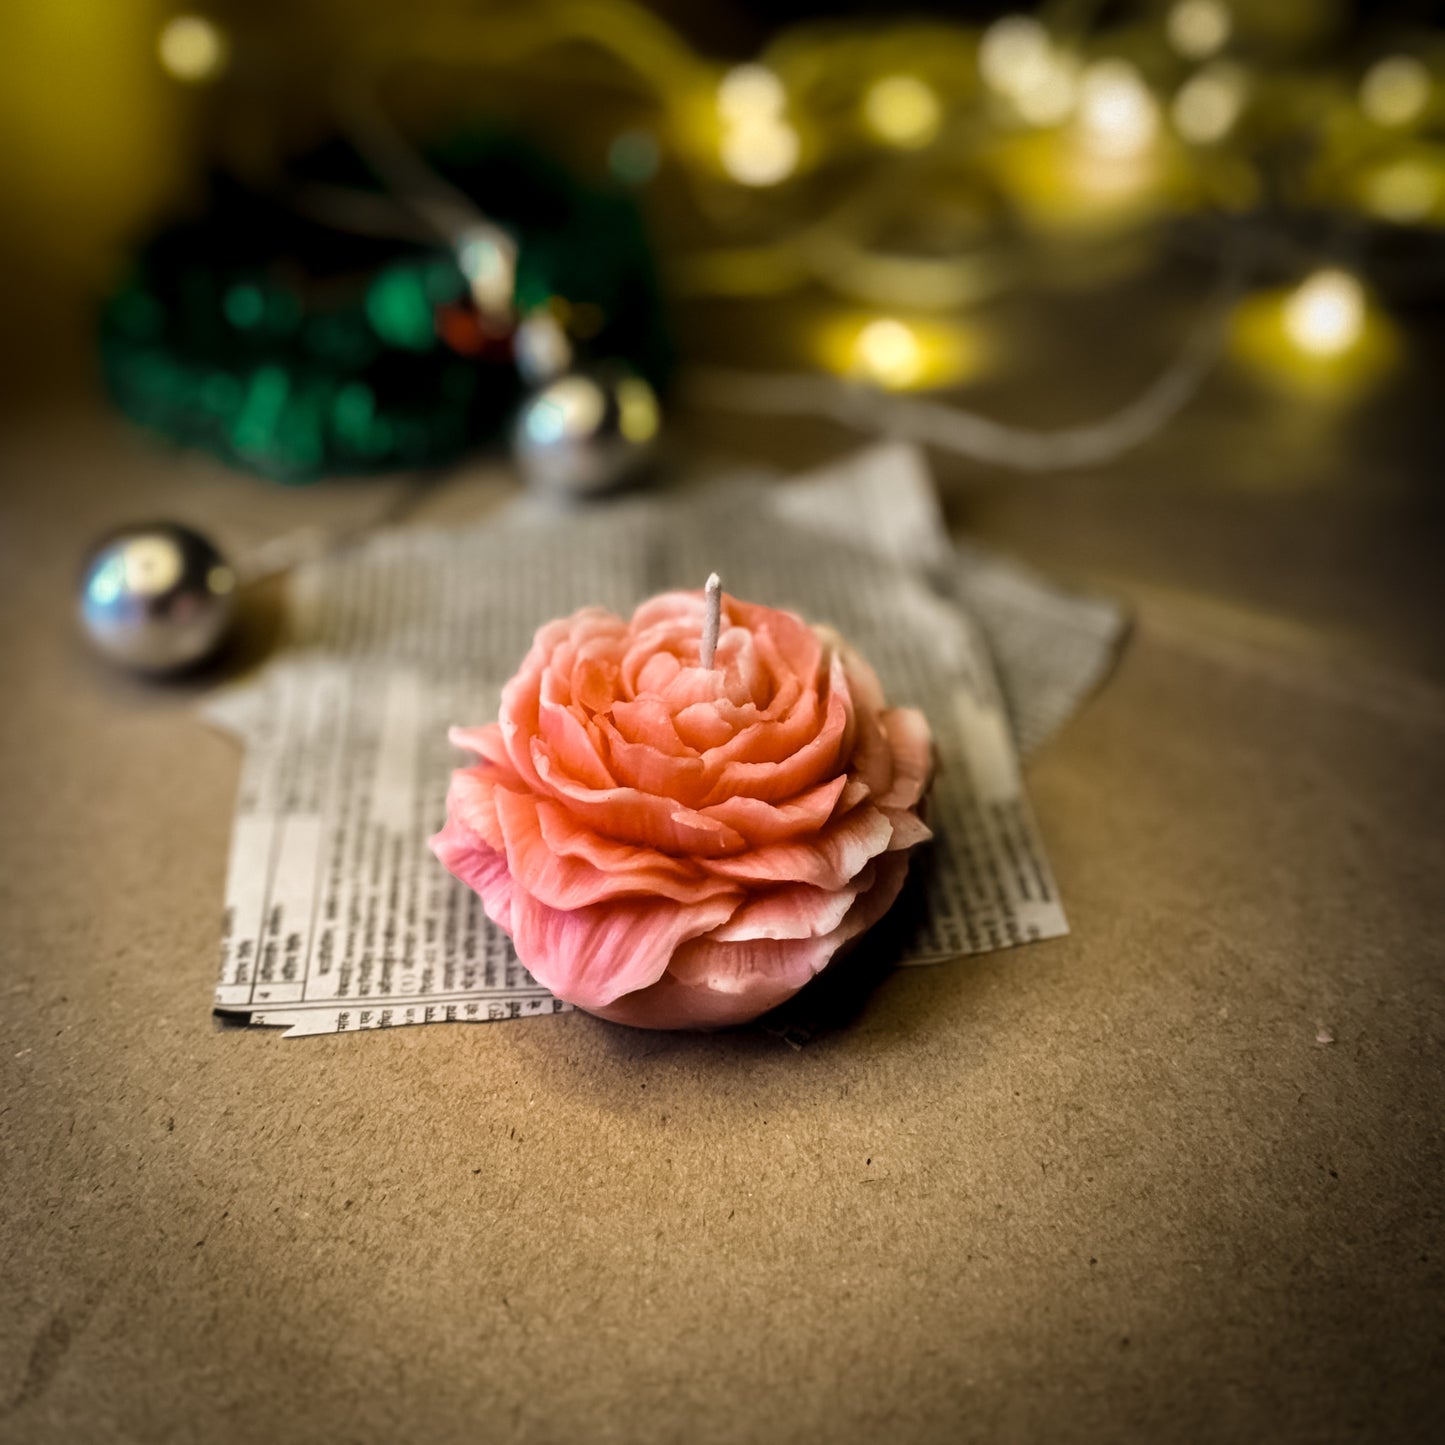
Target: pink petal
591,956
831,860
471,802
486,742
566,880
572,747
908,829
813,762
482,869
792,910
761,822
565,835
712,984
636,817
912,743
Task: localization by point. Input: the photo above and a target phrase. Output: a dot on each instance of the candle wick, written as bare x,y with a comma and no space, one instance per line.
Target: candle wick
712,619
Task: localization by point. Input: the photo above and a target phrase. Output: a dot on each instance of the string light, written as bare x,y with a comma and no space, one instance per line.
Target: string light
1118,116
751,93
1395,90
902,110
1198,29
887,352
758,146
1019,60
1325,315
192,48
1009,49
1404,191
1208,104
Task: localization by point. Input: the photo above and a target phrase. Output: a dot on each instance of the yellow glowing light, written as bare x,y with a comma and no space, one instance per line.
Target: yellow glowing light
749,93
192,48
1009,49
1326,314
1198,28
1395,90
1048,91
903,110
1019,60
917,354
760,153
1322,339
637,412
1208,104
1118,115
1404,191
887,351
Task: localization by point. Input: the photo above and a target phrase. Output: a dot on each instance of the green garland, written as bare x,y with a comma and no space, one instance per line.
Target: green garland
296,349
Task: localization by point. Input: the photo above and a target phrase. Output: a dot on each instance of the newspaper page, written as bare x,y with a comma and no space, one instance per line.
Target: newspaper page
337,916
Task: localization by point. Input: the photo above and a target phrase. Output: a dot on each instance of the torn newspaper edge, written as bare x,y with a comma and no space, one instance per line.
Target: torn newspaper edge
337,916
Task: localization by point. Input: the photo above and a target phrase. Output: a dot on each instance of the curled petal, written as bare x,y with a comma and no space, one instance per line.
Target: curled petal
831,860
793,910
569,880
761,822
911,743
592,956
482,869
636,817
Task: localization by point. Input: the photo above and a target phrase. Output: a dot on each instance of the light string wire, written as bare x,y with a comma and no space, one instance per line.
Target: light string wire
980,438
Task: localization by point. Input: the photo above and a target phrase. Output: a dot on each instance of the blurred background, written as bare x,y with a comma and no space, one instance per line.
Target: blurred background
1158,282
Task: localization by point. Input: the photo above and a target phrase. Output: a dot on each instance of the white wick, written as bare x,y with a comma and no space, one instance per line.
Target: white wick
712,621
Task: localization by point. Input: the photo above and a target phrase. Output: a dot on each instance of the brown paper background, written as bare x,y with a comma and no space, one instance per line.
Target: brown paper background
1108,1187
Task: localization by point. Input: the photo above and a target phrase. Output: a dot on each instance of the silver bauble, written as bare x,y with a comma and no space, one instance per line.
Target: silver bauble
587,432
156,598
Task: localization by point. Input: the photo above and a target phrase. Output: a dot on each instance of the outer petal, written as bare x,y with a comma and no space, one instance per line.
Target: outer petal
714,985
592,956
563,880
482,869
831,860
911,740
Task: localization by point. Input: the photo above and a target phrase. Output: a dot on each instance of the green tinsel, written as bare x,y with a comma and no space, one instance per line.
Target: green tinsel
296,349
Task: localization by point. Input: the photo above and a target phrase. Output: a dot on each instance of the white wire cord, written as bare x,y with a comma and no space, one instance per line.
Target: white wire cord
969,434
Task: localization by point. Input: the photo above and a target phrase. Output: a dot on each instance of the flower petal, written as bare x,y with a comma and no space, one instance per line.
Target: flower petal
761,822
911,740
567,880
592,956
482,869
831,860
793,910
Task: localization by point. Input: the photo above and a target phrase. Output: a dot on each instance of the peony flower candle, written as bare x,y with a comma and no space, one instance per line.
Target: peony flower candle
682,818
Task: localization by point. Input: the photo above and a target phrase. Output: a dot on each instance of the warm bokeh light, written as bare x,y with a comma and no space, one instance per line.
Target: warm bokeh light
1405,191
1209,104
916,354
1326,314
1019,60
749,93
1395,90
1009,48
192,48
888,352
761,153
1117,115
1322,338
758,146
638,415
902,110
1197,29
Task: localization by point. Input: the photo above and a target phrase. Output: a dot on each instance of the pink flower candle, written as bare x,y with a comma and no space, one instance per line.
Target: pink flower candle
682,818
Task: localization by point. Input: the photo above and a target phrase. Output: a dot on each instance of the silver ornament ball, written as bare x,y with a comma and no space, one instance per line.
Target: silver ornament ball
587,432
156,598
